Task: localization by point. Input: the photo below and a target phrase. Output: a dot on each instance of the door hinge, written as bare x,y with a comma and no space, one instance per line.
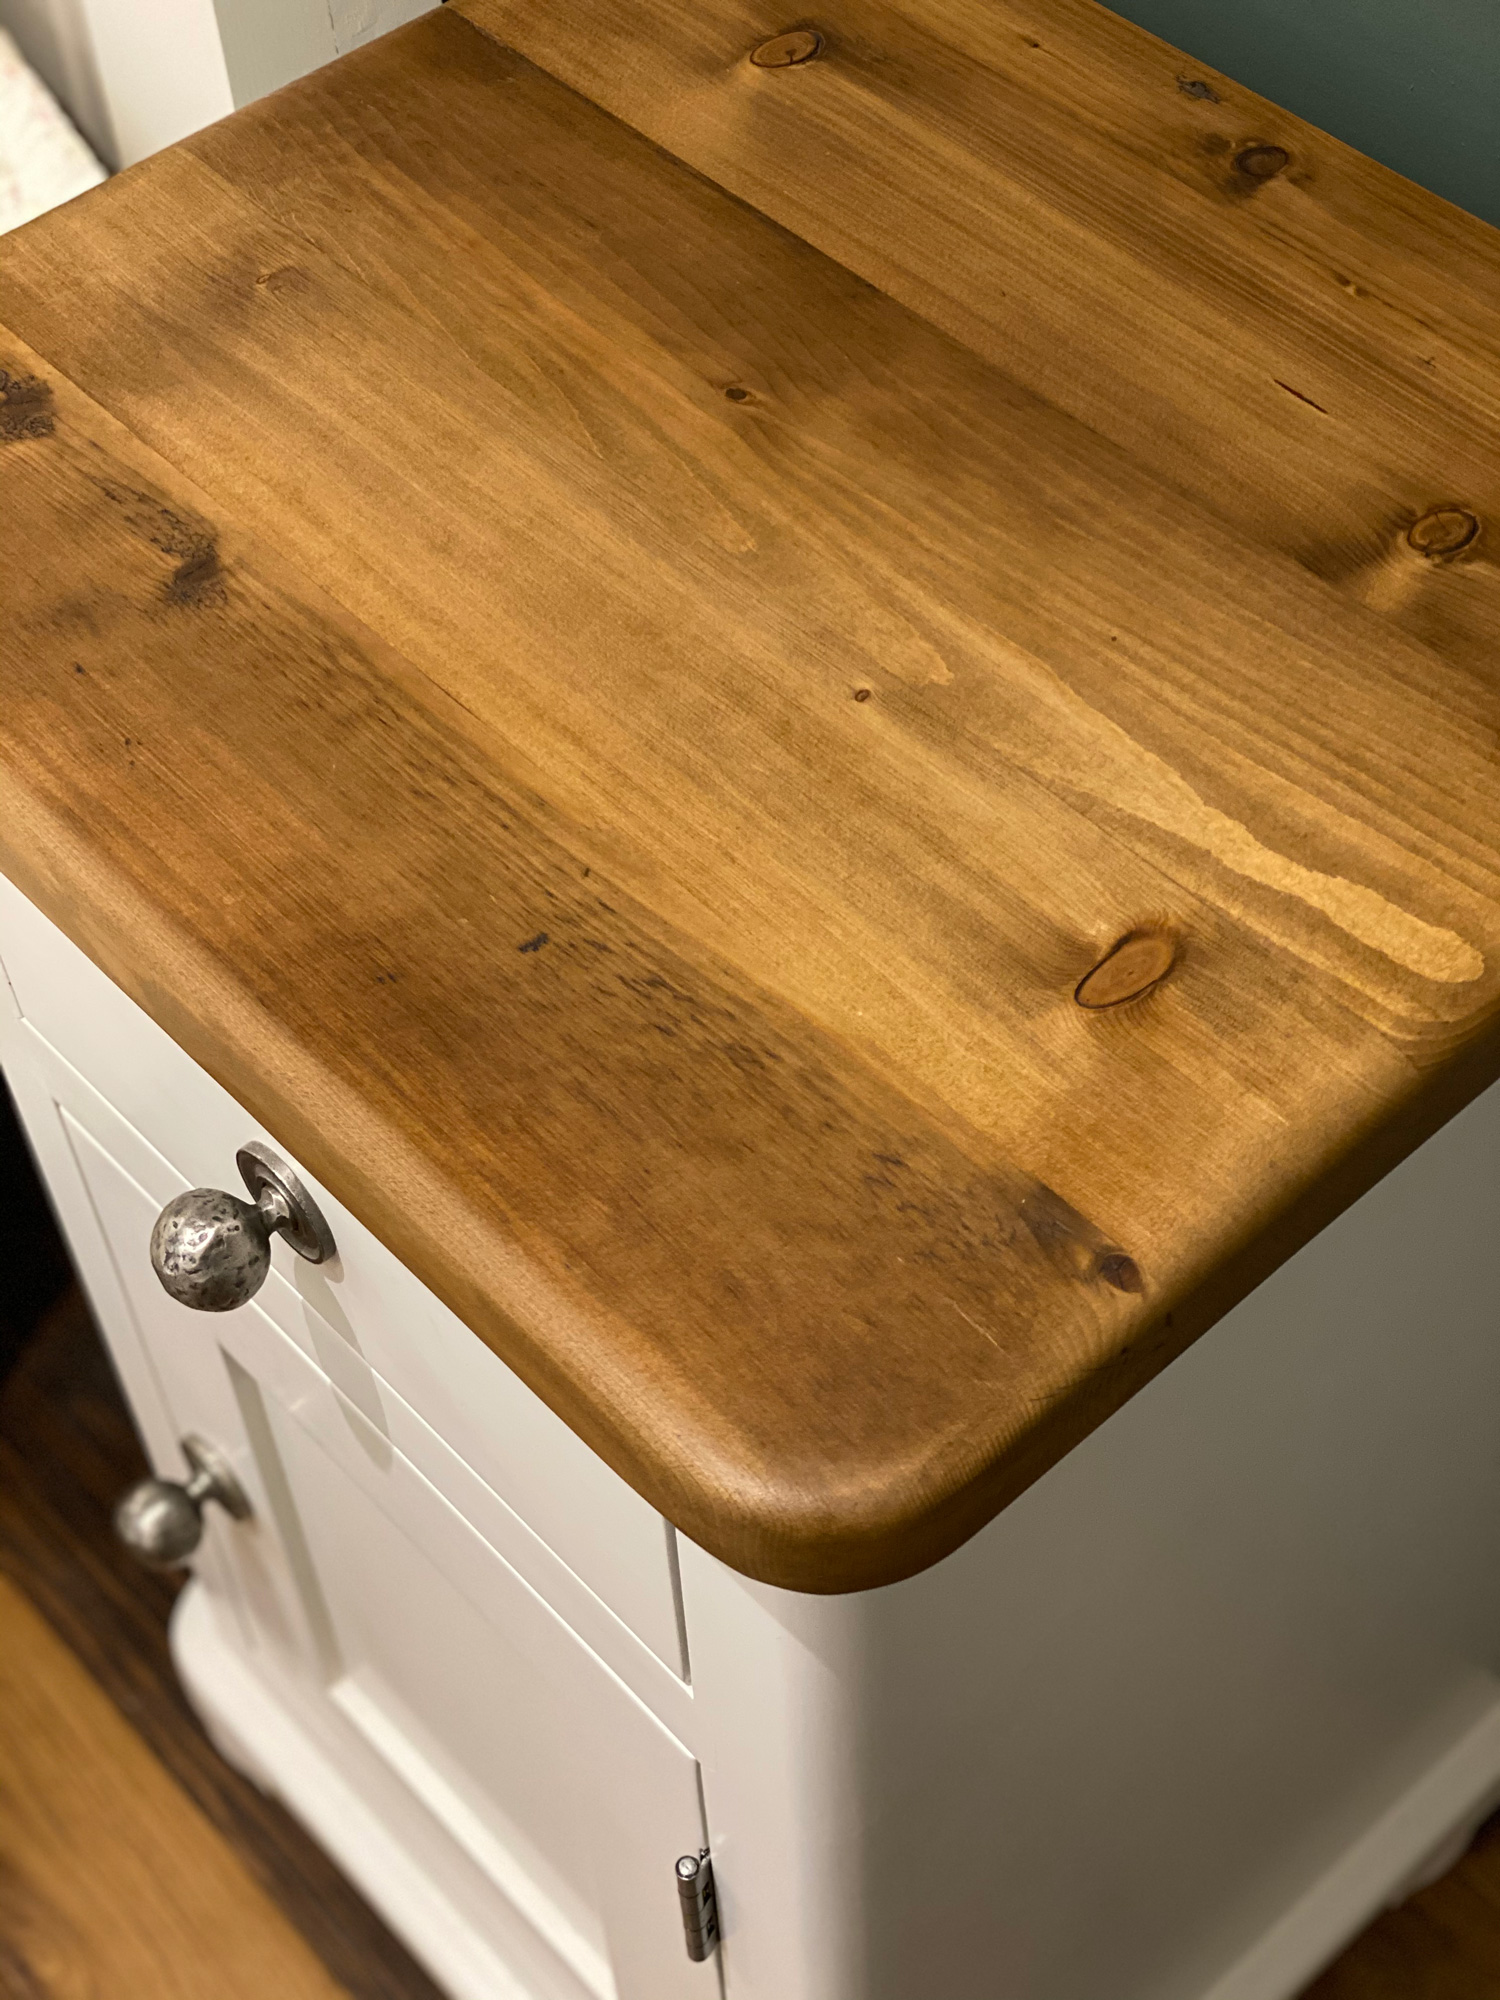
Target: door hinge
700,1909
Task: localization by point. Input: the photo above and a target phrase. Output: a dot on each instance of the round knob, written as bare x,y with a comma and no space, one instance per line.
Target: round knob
161,1520
212,1250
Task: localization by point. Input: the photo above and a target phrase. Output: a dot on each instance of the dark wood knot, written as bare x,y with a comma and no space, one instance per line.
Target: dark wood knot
1262,163
1443,531
1116,1269
1136,964
797,45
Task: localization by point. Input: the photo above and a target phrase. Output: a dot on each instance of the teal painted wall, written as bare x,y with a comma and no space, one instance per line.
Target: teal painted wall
1415,83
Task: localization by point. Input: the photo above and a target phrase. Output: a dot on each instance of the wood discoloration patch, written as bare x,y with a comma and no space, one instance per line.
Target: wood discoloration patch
197,581
25,408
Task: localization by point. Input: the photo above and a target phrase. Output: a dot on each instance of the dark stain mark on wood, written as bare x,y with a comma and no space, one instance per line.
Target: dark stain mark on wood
1194,86
25,408
1128,972
198,579
1443,532
1299,395
535,943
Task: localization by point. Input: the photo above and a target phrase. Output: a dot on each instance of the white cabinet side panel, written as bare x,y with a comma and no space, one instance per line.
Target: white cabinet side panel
1242,1642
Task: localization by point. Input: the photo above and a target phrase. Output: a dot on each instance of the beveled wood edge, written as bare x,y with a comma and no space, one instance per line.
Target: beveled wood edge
817,1546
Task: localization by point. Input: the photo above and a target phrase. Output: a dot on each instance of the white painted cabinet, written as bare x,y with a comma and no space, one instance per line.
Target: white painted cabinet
1170,1728
542,1797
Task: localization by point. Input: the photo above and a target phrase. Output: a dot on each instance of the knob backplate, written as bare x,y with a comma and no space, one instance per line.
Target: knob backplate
213,1477
302,1223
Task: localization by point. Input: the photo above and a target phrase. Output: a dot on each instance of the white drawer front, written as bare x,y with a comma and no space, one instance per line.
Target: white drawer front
365,1320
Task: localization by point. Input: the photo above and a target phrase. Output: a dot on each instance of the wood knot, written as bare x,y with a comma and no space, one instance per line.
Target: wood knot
1261,163
797,45
1443,531
1123,1272
1128,971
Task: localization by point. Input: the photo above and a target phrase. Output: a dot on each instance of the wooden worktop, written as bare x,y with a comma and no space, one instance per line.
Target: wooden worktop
824,731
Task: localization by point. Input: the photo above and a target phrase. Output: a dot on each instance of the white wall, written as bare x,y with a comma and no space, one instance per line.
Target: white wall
137,75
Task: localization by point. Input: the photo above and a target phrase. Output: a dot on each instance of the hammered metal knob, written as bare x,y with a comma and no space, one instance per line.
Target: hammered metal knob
212,1250
161,1520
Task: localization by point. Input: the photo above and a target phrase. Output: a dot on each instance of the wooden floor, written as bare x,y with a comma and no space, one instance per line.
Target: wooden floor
112,1883
135,1865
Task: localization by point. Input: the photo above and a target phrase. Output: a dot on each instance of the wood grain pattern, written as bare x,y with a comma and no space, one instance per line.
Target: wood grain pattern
620,740
1292,333
111,1882
67,1452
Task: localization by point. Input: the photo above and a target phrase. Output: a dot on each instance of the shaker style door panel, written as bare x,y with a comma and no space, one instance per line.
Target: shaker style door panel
559,1784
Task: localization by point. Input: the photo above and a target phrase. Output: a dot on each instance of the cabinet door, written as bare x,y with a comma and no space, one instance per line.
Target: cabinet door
398,1620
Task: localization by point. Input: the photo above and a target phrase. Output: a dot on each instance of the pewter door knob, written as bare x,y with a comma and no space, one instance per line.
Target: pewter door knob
161,1520
212,1251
